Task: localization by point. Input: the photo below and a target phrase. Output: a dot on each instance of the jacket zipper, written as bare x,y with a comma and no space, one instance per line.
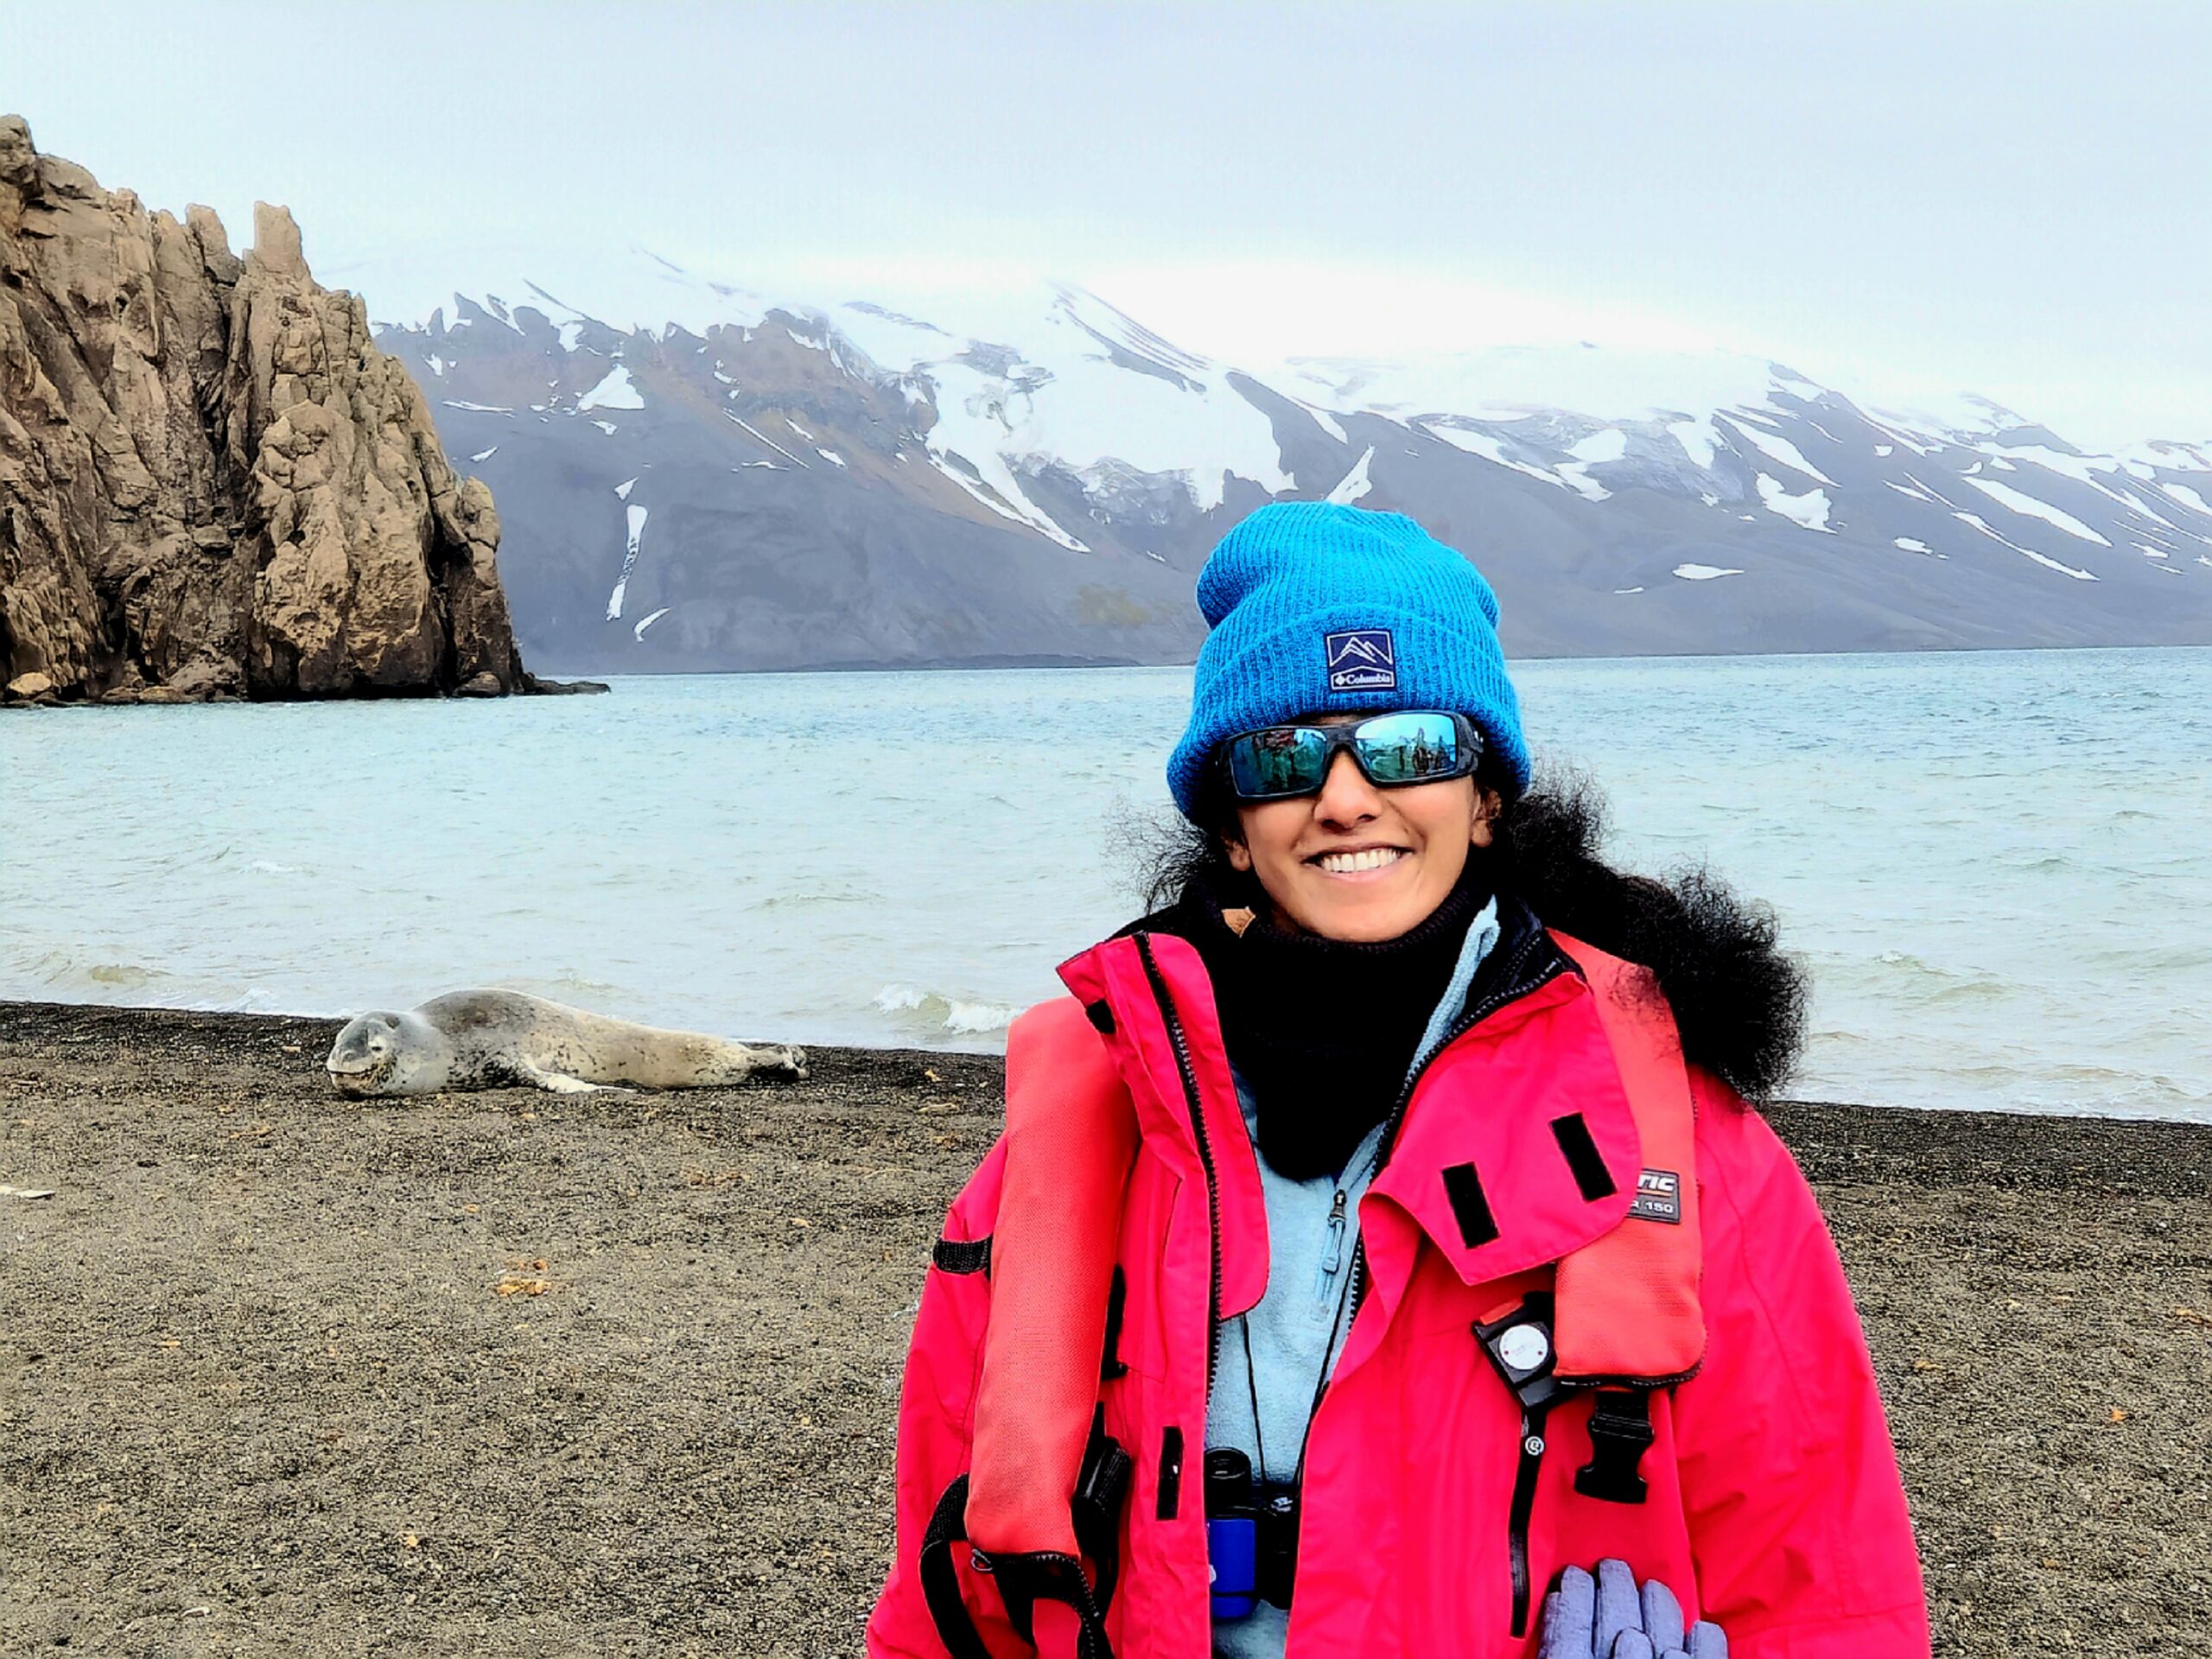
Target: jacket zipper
1532,1440
1510,991
1175,1036
1532,1424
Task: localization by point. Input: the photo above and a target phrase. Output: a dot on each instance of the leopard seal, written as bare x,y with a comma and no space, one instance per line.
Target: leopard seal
492,1039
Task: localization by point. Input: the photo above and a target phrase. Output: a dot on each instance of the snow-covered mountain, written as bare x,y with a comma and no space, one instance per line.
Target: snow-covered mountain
694,476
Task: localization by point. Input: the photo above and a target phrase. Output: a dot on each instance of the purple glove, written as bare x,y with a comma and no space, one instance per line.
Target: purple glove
1607,1619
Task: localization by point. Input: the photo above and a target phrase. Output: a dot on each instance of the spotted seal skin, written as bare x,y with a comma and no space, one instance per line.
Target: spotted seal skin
493,1039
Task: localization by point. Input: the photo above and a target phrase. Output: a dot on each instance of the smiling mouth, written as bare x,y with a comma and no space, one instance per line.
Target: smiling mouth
1358,862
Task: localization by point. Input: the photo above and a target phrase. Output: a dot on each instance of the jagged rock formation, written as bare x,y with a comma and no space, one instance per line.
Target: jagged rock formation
212,483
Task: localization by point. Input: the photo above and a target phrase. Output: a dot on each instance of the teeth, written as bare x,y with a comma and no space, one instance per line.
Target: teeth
1348,863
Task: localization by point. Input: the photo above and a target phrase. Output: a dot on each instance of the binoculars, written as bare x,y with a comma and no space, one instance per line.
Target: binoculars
1251,1536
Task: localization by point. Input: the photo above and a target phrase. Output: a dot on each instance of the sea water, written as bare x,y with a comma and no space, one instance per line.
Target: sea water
1998,866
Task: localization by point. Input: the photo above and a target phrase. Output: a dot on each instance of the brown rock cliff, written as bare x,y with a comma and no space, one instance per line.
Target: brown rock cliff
212,483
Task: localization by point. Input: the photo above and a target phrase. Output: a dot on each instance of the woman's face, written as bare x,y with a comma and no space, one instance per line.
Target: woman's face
1359,863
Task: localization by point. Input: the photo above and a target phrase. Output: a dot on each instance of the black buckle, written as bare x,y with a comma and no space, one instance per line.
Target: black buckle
1620,1432
1101,1486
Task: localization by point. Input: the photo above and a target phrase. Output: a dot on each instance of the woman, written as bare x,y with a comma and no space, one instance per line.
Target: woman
1400,1166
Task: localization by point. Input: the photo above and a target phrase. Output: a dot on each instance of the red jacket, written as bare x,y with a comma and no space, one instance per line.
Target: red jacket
1774,1503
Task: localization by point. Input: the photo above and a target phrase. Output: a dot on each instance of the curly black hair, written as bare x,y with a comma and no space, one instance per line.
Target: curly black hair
1738,1000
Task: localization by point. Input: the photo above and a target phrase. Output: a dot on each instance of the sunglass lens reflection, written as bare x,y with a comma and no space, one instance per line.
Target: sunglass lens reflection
1286,761
1407,749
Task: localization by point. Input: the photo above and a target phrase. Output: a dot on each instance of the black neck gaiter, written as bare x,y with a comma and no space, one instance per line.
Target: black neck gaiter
1322,1030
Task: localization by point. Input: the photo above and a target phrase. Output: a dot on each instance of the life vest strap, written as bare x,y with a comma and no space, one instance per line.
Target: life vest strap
941,1579
1620,1434
1024,1579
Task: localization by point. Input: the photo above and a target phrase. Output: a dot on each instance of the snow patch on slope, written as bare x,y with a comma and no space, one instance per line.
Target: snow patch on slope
994,485
2005,496
637,518
1699,439
613,392
1775,447
1082,385
1577,476
1491,448
1808,510
1982,525
1328,422
1355,483
764,438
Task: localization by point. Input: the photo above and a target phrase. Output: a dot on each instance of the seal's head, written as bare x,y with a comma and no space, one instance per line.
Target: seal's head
385,1054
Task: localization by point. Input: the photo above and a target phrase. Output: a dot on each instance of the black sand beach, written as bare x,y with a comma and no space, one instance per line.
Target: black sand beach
521,1373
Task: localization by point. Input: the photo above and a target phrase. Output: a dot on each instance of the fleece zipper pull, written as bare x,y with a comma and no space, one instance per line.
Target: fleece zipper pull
1332,1254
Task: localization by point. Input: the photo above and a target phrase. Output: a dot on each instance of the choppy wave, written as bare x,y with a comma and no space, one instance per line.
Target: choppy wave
815,897
958,1015
1899,975
64,971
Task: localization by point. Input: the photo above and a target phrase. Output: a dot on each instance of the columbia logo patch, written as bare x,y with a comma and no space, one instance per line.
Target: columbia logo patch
1658,1197
1362,660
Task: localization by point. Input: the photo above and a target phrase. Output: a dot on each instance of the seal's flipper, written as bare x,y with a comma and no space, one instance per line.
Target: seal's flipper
561,1083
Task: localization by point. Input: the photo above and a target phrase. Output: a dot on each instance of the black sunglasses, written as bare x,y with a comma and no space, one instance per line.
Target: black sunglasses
1410,747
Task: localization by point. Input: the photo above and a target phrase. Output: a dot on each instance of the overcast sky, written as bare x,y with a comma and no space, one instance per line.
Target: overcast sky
2013,199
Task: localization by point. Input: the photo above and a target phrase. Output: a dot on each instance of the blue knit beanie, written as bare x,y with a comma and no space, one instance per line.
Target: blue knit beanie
1317,608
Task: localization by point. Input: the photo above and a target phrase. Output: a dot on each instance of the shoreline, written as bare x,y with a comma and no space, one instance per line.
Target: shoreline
1998,1122
587,680
514,1372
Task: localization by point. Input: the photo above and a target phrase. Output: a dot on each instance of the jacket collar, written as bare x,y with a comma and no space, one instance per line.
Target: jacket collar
1516,1145
1149,993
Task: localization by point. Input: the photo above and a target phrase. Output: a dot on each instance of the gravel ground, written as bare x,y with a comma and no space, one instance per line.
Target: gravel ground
529,1374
